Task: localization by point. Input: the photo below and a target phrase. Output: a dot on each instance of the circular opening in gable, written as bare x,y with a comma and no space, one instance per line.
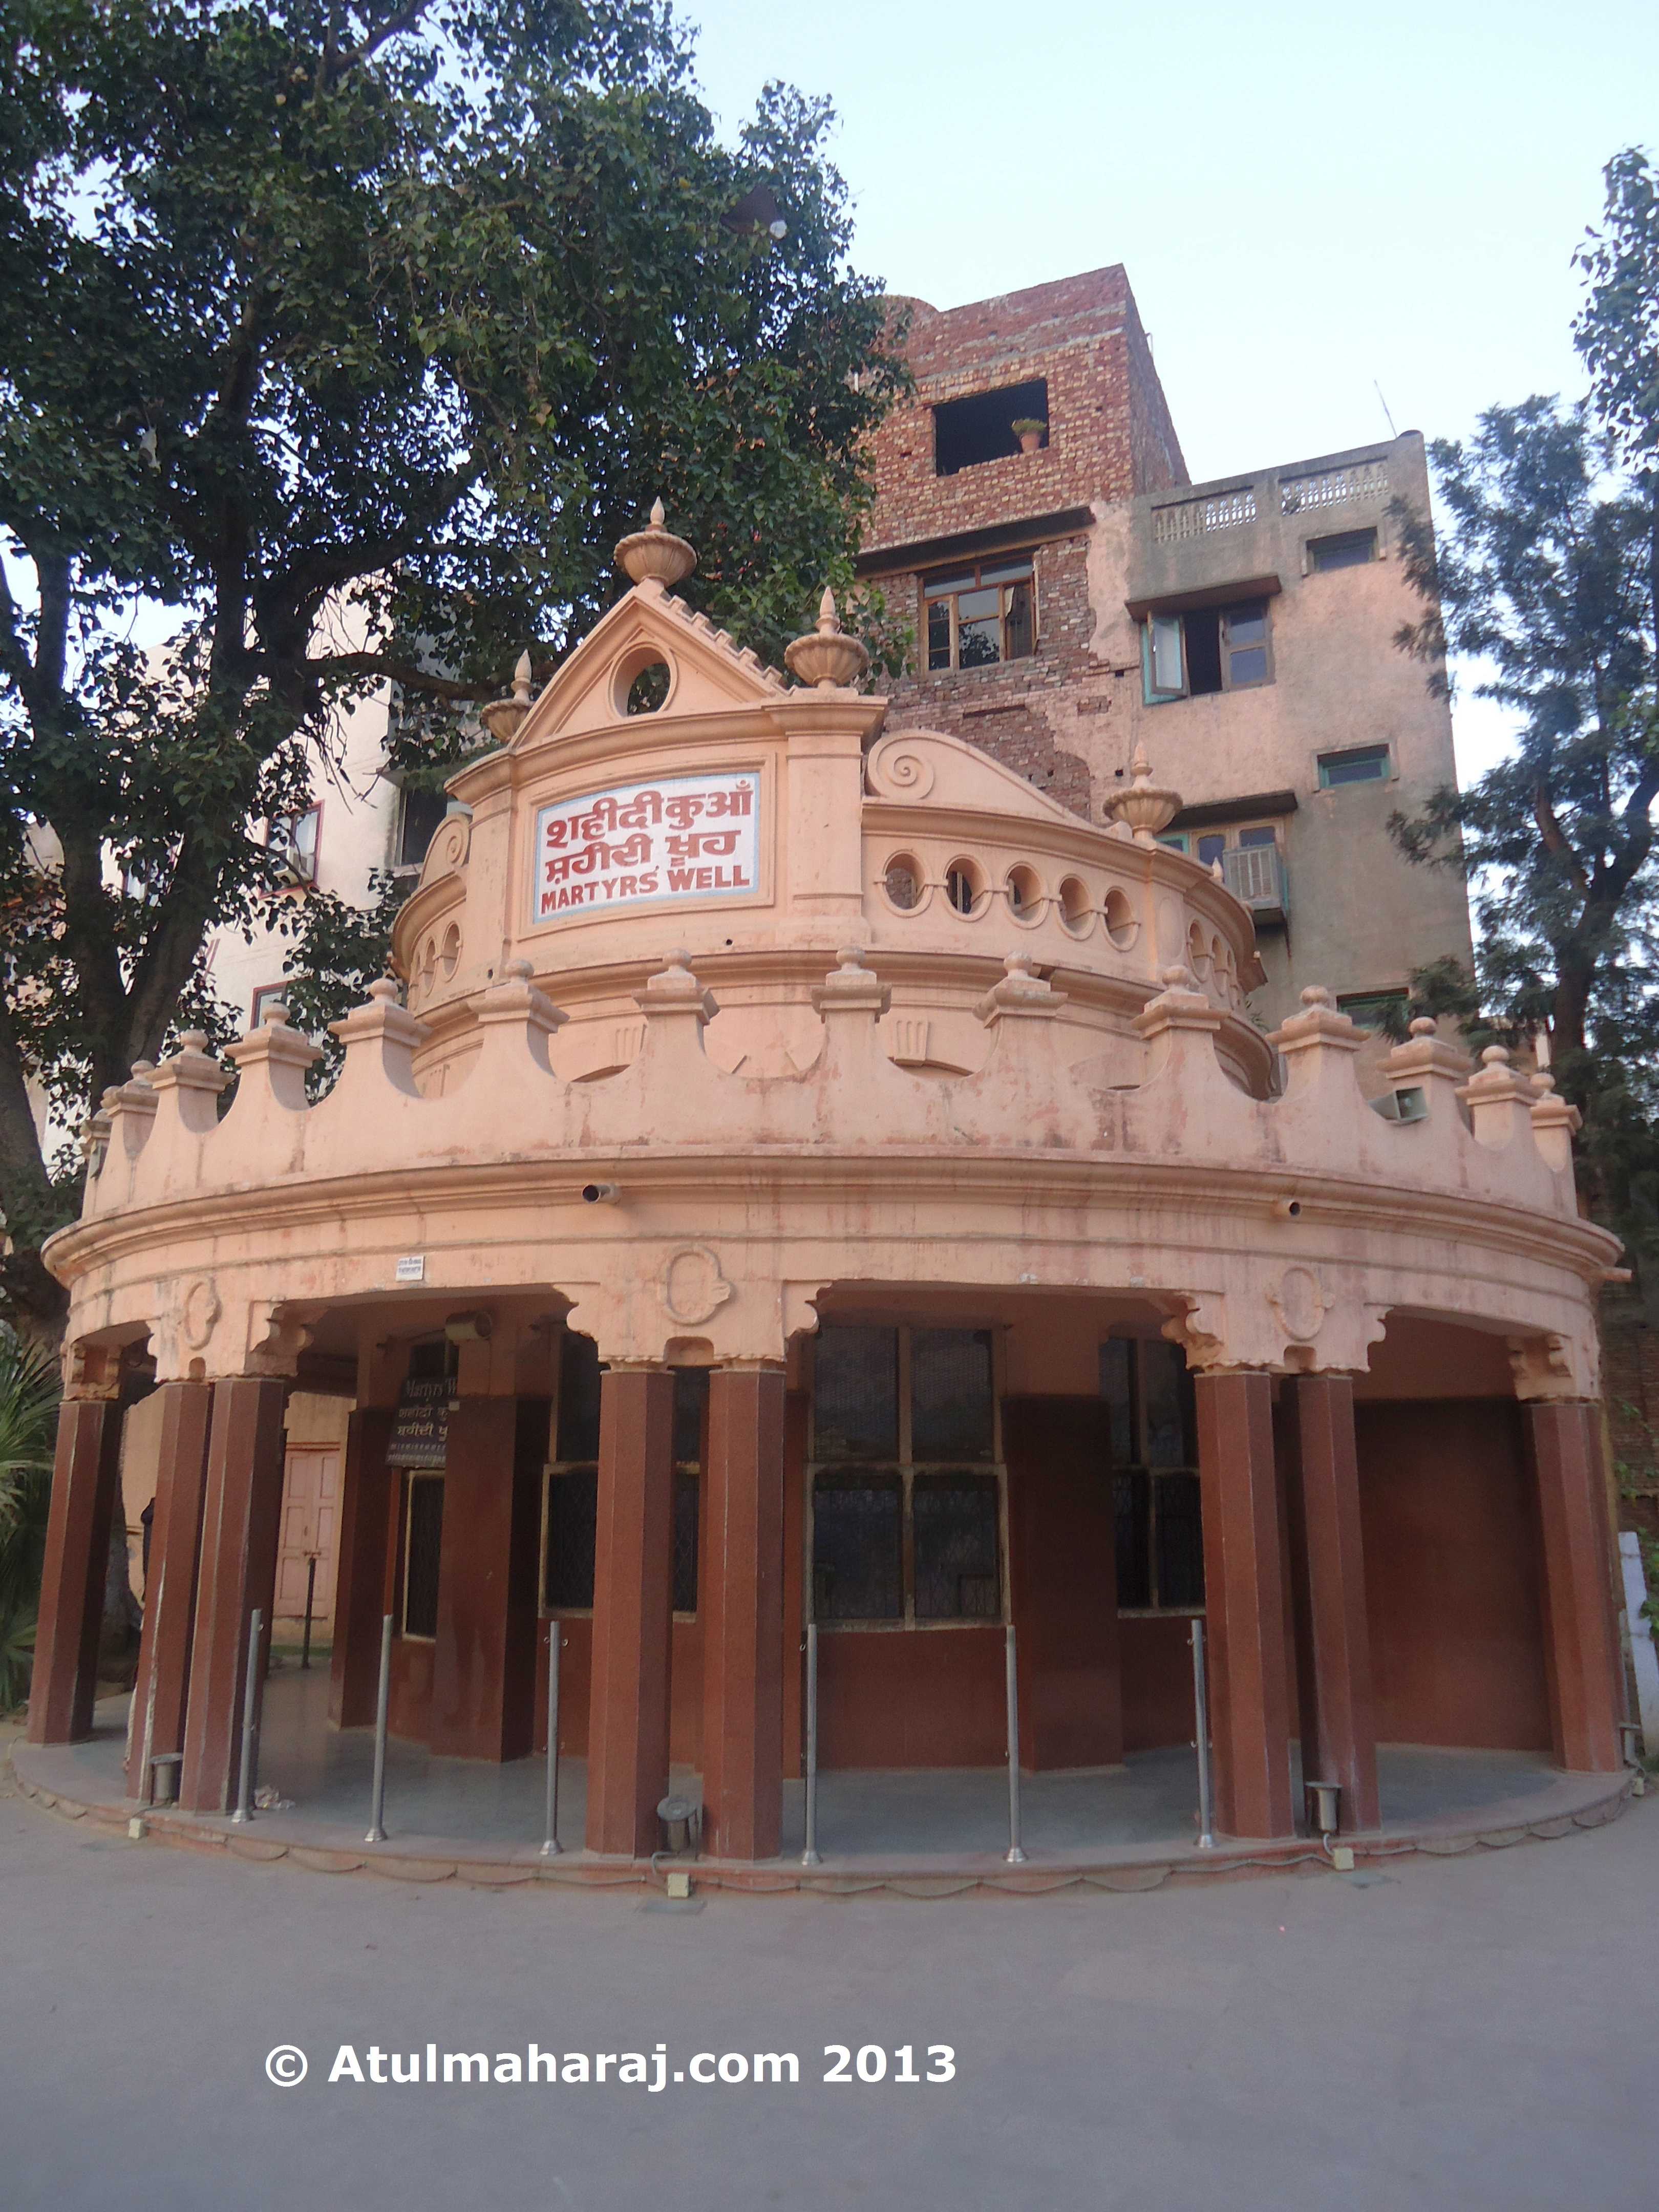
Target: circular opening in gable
642,682
963,883
1120,924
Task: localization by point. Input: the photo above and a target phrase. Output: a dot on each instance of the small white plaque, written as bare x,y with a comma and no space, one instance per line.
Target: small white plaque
412,1268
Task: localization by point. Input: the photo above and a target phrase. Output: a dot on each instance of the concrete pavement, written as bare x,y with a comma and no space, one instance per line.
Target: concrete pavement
1467,2032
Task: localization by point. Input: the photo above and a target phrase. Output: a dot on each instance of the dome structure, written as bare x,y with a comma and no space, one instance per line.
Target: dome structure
827,1119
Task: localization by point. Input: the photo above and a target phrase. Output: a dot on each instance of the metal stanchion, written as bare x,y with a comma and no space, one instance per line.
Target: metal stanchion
377,1817
1015,1853
311,1593
250,1727
810,1855
1201,1710
551,1843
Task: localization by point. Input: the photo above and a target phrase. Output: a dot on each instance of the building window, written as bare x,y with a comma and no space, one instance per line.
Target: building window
292,839
424,1533
1382,1011
417,824
1349,549
1359,764
980,428
268,995
1207,649
570,1519
1159,1529
979,616
906,1489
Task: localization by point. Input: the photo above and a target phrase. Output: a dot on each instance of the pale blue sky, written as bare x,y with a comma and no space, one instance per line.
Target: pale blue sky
1309,200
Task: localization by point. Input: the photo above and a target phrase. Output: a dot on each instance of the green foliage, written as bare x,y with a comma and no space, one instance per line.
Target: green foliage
29,1391
343,341
1550,575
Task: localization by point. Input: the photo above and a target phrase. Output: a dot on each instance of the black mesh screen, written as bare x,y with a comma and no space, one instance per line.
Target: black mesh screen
954,1520
690,1400
579,1398
858,1559
1180,1541
572,1501
686,1505
426,1532
855,1393
951,1408
1132,1502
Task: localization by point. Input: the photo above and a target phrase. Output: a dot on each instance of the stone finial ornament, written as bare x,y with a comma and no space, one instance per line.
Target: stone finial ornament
826,656
503,717
1145,807
654,555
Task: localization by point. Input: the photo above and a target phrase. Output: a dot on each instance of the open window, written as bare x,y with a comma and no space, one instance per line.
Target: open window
980,428
418,816
292,839
980,614
1202,650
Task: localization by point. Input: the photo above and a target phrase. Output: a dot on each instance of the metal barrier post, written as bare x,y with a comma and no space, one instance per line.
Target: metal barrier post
311,1594
250,1706
1015,1853
1202,1711
810,1855
550,1840
377,1817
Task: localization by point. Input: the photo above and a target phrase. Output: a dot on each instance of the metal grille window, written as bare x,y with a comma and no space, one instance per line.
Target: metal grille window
916,1537
979,616
570,1518
423,1531
1155,1486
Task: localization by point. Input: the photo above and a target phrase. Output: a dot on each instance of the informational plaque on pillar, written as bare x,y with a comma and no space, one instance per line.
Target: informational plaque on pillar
639,844
420,1433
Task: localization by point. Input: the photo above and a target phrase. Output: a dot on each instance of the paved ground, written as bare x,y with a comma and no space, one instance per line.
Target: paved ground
1471,2033
326,1777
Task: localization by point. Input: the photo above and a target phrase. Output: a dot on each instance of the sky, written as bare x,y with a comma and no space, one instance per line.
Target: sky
1312,201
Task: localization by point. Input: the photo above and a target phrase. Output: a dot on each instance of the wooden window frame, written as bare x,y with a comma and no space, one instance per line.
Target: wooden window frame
411,1476
1004,659
852,1473
1157,695
1141,1464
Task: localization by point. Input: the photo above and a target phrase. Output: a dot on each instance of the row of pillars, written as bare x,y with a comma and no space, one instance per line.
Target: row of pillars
215,1544
1252,1466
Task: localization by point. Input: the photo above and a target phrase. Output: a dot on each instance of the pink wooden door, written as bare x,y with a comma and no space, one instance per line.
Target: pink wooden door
310,1516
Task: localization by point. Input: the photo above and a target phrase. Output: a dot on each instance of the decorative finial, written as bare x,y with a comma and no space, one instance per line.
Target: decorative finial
827,657
1424,1025
1146,806
1315,995
521,677
1496,1055
503,717
655,556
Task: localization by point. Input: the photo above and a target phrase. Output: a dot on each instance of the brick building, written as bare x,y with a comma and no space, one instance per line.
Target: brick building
1074,594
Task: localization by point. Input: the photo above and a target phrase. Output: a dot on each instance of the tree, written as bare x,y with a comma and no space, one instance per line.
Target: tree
338,342
1550,574
28,1421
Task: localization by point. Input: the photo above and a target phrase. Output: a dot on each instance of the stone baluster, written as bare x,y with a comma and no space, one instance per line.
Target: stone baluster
272,1061
1179,1024
849,1002
1499,1100
1020,1011
380,1038
515,1021
1428,1063
1555,1122
1319,1045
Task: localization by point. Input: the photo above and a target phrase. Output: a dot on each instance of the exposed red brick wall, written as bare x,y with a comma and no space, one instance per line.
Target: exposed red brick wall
1009,711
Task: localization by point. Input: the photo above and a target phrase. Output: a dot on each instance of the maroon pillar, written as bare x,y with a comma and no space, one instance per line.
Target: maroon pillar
633,1583
175,1544
740,1598
1244,1605
360,1585
239,1532
484,1661
85,1477
1583,1666
1328,1572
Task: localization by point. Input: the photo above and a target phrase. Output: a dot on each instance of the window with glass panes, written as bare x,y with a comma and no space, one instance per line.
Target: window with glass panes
570,1518
907,1481
1205,650
979,615
1159,1529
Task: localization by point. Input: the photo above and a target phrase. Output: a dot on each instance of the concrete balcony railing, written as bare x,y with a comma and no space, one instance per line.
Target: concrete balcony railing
1257,877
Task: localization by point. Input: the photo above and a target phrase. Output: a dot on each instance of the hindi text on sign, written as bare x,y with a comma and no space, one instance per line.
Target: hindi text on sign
679,837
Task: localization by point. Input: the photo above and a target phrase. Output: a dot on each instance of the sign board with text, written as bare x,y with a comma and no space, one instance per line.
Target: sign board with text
678,837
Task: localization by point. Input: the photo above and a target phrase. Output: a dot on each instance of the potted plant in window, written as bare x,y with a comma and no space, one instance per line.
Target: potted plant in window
1029,429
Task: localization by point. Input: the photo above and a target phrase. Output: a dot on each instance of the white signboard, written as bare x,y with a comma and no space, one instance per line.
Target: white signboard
681,837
